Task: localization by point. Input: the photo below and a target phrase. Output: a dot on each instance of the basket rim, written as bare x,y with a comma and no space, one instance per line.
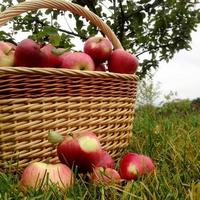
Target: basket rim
65,71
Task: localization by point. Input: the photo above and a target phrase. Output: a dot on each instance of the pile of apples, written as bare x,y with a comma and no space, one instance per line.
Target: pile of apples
97,54
83,153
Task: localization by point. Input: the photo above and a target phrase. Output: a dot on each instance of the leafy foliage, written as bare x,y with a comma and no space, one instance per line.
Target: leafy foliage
153,30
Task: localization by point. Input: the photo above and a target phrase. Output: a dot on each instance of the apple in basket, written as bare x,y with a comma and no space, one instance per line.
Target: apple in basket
63,54
105,175
133,165
28,54
79,151
78,61
39,174
122,61
100,67
6,54
52,56
98,47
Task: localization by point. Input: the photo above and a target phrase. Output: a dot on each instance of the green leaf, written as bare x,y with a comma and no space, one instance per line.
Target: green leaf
48,30
55,39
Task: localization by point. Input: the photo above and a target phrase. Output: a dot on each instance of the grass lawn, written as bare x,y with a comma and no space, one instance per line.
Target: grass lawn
170,135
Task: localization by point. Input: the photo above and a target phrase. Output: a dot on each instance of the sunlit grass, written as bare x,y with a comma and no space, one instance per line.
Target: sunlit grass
171,138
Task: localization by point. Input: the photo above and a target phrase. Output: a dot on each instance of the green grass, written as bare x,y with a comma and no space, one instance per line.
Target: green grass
170,135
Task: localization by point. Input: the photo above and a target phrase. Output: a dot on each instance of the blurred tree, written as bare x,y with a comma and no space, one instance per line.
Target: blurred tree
148,92
154,30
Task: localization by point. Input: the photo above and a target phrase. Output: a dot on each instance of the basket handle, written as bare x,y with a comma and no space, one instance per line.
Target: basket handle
30,5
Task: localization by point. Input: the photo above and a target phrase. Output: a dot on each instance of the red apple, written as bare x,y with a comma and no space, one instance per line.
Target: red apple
63,54
99,48
77,60
133,165
52,57
81,150
100,67
122,61
6,54
28,54
106,160
105,175
37,174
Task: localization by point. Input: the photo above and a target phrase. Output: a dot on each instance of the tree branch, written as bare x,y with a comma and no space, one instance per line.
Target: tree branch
121,34
72,33
154,48
62,30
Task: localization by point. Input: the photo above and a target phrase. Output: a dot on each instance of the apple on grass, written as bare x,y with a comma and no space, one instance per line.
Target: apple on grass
98,47
37,175
6,54
78,61
122,61
28,54
133,165
80,150
105,175
106,160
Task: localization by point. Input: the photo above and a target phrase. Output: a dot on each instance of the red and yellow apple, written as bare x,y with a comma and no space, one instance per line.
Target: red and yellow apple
99,48
133,165
52,58
106,160
28,54
105,175
81,150
39,174
7,54
78,61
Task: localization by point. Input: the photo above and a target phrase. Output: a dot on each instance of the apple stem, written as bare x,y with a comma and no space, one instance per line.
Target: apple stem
71,134
99,39
11,49
54,137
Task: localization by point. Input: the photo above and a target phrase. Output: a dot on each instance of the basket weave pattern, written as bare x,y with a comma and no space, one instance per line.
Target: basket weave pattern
36,100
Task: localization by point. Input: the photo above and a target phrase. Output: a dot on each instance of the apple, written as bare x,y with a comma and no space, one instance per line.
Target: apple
63,54
37,174
28,54
80,150
105,175
78,61
6,54
100,67
11,45
106,160
52,58
122,61
133,165
6,47
99,48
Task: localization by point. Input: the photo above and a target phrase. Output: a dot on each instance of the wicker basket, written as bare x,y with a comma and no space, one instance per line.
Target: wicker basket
36,100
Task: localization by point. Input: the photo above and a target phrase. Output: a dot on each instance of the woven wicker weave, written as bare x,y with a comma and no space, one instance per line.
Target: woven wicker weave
36,100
